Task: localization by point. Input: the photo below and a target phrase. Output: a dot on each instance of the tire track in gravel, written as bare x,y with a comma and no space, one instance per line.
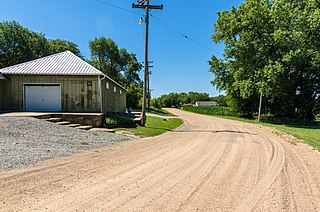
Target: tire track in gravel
176,177
298,173
135,178
208,164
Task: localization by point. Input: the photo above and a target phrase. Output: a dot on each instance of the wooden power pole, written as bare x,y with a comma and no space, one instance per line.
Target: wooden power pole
260,104
144,4
148,87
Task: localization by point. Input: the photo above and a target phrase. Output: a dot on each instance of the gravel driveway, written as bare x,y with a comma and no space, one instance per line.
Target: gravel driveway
25,141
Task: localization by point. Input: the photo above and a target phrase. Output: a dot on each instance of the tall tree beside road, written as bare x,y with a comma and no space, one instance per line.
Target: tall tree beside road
270,47
105,56
129,67
119,64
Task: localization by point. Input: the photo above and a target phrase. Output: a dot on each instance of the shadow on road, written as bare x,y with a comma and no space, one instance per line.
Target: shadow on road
213,131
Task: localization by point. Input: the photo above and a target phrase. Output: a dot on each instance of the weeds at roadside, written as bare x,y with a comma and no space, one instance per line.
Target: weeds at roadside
308,133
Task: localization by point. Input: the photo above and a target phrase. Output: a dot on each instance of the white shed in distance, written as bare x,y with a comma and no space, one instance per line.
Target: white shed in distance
206,104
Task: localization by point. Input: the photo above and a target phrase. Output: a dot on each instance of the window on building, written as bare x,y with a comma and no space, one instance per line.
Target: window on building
107,85
115,89
120,91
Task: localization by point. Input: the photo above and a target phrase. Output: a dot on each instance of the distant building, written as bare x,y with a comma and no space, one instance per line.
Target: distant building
206,104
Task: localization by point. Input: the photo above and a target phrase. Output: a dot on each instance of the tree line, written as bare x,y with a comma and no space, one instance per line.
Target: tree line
179,99
273,48
18,44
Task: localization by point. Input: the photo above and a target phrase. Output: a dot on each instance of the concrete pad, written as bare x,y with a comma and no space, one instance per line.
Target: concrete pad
73,125
63,123
102,130
84,127
23,114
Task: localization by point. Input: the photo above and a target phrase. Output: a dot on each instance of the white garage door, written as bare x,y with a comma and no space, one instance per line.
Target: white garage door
45,97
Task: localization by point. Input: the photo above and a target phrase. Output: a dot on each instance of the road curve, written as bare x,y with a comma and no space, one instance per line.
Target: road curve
208,164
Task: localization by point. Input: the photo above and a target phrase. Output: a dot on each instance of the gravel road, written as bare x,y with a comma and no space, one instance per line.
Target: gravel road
25,141
208,164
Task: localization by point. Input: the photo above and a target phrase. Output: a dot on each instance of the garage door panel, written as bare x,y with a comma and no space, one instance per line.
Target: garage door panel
42,98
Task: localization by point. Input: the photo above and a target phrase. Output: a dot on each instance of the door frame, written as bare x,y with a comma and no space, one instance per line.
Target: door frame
40,84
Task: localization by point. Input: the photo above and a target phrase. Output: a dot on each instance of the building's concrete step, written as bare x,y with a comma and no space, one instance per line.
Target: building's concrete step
54,119
84,127
73,125
102,130
86,119
63,122
46,116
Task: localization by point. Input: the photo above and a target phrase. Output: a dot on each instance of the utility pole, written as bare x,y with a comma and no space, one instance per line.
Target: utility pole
150,90
260,104
149,94
144,4
148,86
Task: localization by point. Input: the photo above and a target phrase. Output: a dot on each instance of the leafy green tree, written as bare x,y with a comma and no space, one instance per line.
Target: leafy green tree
120,65
178,99
270,47
183,98
221,100
129,67
134,95
18,44
59,45
194,97
156,103
106,57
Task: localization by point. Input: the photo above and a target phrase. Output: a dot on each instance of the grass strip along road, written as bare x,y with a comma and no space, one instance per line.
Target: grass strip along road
309,133
154,126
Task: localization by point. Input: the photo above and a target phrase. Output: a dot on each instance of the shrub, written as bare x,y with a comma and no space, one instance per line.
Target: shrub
119,120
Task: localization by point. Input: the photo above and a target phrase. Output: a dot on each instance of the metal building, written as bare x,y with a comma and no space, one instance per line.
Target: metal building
60,82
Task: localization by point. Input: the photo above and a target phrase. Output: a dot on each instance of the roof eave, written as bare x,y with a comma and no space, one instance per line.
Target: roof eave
112,80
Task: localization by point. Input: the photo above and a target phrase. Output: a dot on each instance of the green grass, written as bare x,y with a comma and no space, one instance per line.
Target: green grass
154,126
213,111
310,134
156,111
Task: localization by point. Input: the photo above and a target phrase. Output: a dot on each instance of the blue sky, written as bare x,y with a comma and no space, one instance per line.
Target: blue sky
180,65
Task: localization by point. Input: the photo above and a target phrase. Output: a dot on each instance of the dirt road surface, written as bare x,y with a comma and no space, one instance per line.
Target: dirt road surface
208,164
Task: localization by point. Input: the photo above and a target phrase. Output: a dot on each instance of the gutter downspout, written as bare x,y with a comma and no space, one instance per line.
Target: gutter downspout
100,106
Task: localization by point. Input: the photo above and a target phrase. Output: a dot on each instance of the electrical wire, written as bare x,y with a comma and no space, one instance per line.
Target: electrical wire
120,8
162,22
182,34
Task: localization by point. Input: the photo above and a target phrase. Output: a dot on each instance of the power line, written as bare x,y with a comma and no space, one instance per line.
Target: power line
182,34
164,23
120,8
171,27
